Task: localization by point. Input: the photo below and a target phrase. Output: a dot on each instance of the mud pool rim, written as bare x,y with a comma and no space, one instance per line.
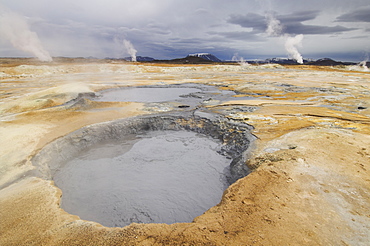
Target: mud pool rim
235,137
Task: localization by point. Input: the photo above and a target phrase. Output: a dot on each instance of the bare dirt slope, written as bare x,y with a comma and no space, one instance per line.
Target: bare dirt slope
311,178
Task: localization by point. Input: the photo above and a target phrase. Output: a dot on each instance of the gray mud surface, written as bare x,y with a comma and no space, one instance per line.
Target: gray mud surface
146,94
191,95
157,177
157,169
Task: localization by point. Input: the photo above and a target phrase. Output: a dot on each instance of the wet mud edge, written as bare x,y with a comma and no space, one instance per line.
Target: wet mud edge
236,138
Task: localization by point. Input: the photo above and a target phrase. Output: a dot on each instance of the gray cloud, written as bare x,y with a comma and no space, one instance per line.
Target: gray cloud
168,28
237,35
360,15
291,23
358,37
299,28
298,16
251,20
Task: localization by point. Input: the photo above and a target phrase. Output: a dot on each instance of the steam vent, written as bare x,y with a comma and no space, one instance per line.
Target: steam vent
120,153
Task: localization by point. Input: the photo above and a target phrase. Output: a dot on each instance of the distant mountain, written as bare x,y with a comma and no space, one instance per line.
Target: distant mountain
328,62
206,56
283,60
186,60
276,60
288,61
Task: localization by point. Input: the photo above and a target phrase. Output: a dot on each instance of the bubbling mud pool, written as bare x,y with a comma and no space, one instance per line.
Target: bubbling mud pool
156,177
157,169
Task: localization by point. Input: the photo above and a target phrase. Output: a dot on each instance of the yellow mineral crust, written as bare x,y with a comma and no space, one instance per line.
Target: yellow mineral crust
310,183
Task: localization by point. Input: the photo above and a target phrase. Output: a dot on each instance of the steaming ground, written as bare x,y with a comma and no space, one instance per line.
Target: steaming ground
15,29
310,184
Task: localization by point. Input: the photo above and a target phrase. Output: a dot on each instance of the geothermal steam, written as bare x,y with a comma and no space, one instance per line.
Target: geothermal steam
275,29
239,59
125,46
363,63
130,49
14,28
291,44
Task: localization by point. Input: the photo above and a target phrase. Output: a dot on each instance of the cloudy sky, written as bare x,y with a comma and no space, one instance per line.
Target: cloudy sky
166,29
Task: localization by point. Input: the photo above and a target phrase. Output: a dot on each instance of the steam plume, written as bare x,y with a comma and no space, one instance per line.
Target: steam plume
275,29
291,44
130,49
15,29
364,63
239,59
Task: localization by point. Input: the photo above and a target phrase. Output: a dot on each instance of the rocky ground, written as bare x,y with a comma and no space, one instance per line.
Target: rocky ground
310,183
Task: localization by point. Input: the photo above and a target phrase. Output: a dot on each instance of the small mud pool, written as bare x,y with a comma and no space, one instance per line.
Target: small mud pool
187,94
158,177
146,94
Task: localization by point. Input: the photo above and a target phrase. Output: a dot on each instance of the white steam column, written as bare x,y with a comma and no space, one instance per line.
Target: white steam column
130,49
291,44
275,29
15,29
